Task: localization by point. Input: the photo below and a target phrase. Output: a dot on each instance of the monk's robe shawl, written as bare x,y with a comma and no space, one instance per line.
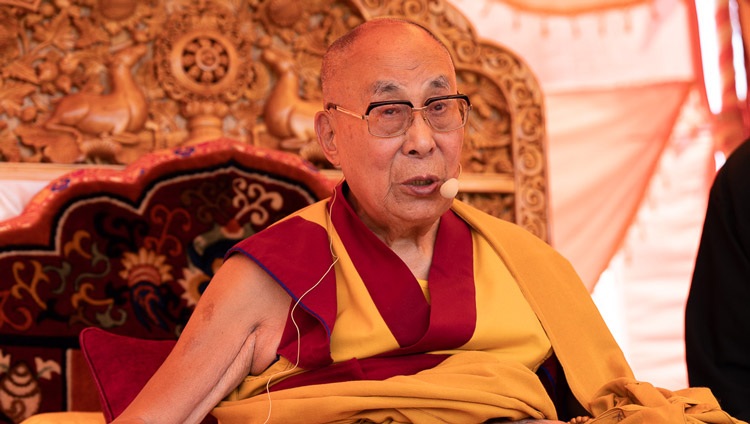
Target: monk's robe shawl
595,368
378,313
400,383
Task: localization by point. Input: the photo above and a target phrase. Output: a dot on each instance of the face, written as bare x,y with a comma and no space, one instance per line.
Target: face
396,180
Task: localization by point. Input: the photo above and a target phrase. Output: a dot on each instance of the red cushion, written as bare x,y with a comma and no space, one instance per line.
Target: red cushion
121,366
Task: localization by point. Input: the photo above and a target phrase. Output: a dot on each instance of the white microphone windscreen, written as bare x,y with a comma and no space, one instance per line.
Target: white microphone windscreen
449,189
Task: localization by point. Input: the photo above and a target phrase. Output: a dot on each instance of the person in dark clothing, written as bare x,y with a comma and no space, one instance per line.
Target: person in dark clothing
717,316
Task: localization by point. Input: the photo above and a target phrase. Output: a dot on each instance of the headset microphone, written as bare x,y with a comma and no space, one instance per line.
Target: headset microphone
449,189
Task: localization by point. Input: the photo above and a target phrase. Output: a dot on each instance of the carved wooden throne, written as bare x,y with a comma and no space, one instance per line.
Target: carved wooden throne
109,81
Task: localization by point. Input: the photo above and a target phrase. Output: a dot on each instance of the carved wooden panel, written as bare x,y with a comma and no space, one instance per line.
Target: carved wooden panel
104,81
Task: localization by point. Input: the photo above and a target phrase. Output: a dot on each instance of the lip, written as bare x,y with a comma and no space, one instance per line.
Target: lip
414,186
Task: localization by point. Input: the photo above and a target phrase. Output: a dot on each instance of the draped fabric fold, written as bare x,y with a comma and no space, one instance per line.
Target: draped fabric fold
605,149
465,388
626,401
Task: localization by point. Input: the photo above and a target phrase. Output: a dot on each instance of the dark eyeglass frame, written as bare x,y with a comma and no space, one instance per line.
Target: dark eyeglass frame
427,103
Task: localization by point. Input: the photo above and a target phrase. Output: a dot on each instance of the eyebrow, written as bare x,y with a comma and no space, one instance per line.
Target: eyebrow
384,86
440,82
381,87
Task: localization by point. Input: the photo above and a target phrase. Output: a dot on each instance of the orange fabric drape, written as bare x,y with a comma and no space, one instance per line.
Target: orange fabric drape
606,145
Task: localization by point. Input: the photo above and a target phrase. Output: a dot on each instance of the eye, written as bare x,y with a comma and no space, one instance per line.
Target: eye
438,107
389,111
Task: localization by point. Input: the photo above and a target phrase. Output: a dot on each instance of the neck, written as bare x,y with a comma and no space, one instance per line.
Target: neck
414,245
416,253
412,241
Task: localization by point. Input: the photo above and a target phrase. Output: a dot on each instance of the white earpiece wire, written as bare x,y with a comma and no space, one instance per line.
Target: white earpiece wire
291,313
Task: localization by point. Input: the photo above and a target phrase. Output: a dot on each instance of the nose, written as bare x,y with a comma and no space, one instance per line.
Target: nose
419,137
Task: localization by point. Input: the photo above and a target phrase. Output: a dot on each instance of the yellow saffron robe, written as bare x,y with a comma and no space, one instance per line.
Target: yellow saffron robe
466,385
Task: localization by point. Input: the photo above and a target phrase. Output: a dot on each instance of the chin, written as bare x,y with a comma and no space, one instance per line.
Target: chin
428,209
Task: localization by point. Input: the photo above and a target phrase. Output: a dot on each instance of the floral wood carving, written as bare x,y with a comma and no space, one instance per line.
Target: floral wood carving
104,81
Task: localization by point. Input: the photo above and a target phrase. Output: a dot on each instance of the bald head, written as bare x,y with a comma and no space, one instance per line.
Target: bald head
395,31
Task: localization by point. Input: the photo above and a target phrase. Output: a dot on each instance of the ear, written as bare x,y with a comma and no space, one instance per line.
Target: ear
327,136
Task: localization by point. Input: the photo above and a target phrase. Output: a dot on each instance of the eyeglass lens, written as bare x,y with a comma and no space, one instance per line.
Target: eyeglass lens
441,115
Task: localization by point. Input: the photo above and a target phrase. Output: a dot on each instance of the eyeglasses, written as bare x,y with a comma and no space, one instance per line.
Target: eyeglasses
393,118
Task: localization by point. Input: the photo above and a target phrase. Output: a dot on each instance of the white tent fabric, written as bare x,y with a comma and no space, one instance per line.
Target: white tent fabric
15,194
614,82
603,149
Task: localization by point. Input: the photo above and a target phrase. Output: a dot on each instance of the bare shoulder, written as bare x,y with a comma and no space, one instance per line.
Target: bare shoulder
241,304
241,299
240,281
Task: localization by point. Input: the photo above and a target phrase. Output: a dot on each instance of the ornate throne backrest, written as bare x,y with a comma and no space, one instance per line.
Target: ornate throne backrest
129,251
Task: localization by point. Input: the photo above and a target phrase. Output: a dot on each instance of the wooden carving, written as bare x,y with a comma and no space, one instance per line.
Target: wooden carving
104,81
286,114
114,118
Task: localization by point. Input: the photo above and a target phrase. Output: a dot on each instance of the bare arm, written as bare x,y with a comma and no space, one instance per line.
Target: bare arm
234,331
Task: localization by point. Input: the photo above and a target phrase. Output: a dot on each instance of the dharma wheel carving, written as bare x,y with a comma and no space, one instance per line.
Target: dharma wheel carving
206,64
105,81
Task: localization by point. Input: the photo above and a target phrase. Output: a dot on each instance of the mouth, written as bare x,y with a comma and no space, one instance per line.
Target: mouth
423,185
421,182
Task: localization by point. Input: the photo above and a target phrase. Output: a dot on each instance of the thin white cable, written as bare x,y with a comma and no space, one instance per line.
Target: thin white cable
291,313
299,336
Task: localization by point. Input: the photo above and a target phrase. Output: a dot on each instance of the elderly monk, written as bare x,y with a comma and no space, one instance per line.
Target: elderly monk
391,301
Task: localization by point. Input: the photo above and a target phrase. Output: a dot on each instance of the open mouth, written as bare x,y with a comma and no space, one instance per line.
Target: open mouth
421,182
422,185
